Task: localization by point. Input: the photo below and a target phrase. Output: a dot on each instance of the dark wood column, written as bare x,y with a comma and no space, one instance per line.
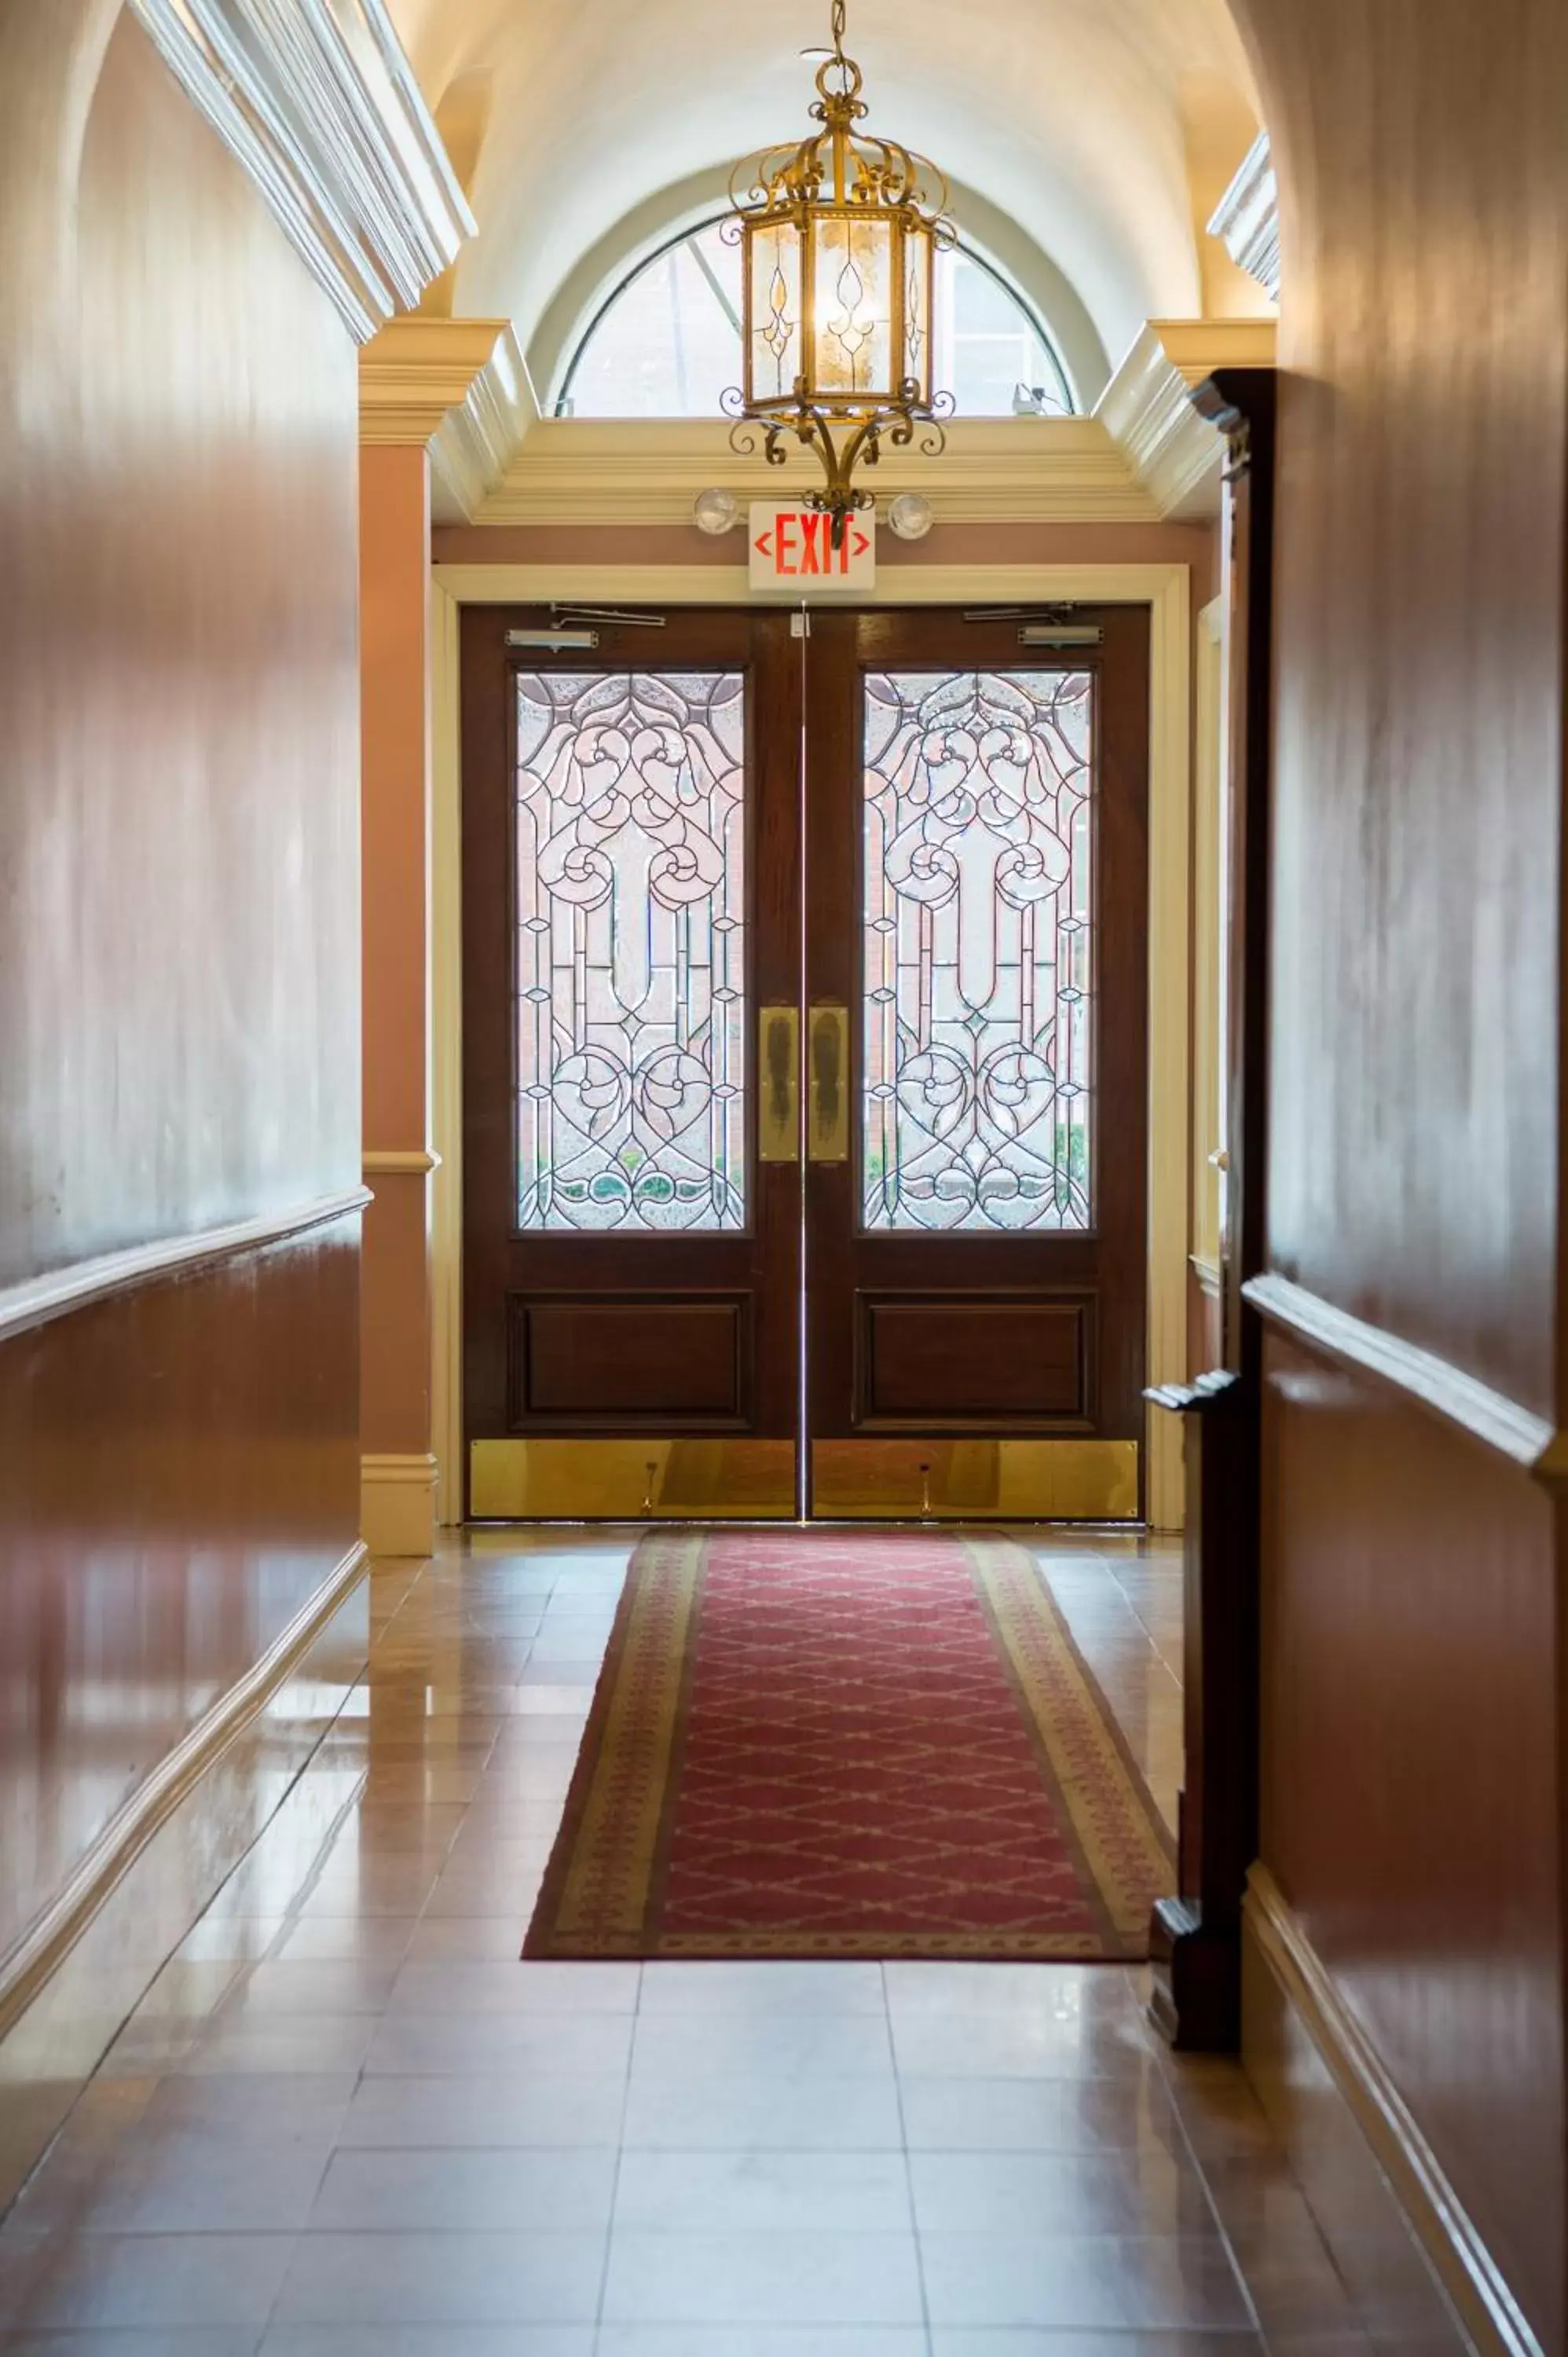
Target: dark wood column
1196,1937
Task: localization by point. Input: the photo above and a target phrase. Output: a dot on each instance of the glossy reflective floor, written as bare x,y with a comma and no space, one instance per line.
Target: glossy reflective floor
346,2119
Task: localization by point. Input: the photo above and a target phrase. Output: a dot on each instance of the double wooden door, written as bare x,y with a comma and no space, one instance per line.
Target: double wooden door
805,982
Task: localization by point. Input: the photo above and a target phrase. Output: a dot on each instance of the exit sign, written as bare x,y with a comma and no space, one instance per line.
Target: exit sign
792,549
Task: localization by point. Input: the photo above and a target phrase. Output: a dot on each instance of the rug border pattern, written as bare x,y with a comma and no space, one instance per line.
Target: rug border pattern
600,1894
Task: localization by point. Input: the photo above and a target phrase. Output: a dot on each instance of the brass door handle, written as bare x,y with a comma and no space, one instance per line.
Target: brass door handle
827,1107
778,1084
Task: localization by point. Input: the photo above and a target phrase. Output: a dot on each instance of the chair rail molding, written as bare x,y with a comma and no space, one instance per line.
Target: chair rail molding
1246,221
1174,452
1461,1399
38,1299
317,101
398,1161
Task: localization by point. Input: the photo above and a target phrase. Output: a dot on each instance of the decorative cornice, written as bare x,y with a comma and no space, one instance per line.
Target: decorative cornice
1488,1415
1009,470
40,1299
1176,455
1246,221
470,451
317,101
459,385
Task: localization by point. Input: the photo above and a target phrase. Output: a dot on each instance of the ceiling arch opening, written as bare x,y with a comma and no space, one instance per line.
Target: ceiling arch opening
1030,277
663,338
1096,139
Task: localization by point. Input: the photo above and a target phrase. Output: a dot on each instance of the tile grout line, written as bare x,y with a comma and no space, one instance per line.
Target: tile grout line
620,2156
908,2161
1237,2270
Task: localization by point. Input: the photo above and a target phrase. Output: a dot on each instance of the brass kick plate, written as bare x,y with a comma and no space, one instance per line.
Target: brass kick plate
975,1480
697,1480
632,1480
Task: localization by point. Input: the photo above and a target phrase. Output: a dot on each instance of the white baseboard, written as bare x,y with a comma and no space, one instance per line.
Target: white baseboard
397,1505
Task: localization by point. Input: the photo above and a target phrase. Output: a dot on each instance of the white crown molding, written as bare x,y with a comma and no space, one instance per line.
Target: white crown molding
640,470
460,385
317,101
473,446
1246,221
1144,457
1175,455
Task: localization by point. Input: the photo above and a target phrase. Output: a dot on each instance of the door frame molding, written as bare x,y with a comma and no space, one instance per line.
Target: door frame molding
1165,589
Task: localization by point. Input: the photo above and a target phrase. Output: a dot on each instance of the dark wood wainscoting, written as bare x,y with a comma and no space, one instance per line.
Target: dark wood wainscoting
1409,1773
180,1468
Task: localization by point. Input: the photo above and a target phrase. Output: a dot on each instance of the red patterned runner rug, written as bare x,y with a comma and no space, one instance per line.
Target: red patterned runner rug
848,1744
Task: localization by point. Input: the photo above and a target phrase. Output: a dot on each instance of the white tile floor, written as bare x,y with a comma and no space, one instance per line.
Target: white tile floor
346,2119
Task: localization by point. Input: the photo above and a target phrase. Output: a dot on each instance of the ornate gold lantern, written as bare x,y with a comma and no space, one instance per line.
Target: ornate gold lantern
839,238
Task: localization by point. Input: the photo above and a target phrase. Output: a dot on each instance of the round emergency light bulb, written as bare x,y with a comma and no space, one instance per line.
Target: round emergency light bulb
716,511
910,516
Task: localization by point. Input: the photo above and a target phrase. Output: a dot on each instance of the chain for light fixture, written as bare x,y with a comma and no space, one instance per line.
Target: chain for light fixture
839,236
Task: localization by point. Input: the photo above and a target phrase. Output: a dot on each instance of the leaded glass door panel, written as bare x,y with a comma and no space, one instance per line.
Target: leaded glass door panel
804,1067
631,951
977,909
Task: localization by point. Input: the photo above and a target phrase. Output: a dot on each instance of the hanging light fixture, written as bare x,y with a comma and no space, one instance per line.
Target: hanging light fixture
839,238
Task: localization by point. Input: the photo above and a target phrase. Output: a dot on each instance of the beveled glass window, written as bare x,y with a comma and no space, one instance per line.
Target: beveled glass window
630,951
978,949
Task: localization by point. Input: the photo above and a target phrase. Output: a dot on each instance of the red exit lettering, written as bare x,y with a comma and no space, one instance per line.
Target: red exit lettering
795,546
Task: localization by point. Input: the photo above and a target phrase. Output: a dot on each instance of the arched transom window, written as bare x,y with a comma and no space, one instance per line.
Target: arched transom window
667,342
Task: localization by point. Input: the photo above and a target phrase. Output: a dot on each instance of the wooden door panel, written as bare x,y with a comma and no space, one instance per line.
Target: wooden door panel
974,1238
652,1360
977,1260
996,1363
631,900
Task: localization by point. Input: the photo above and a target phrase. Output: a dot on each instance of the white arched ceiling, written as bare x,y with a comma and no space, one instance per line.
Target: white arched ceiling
1070,119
